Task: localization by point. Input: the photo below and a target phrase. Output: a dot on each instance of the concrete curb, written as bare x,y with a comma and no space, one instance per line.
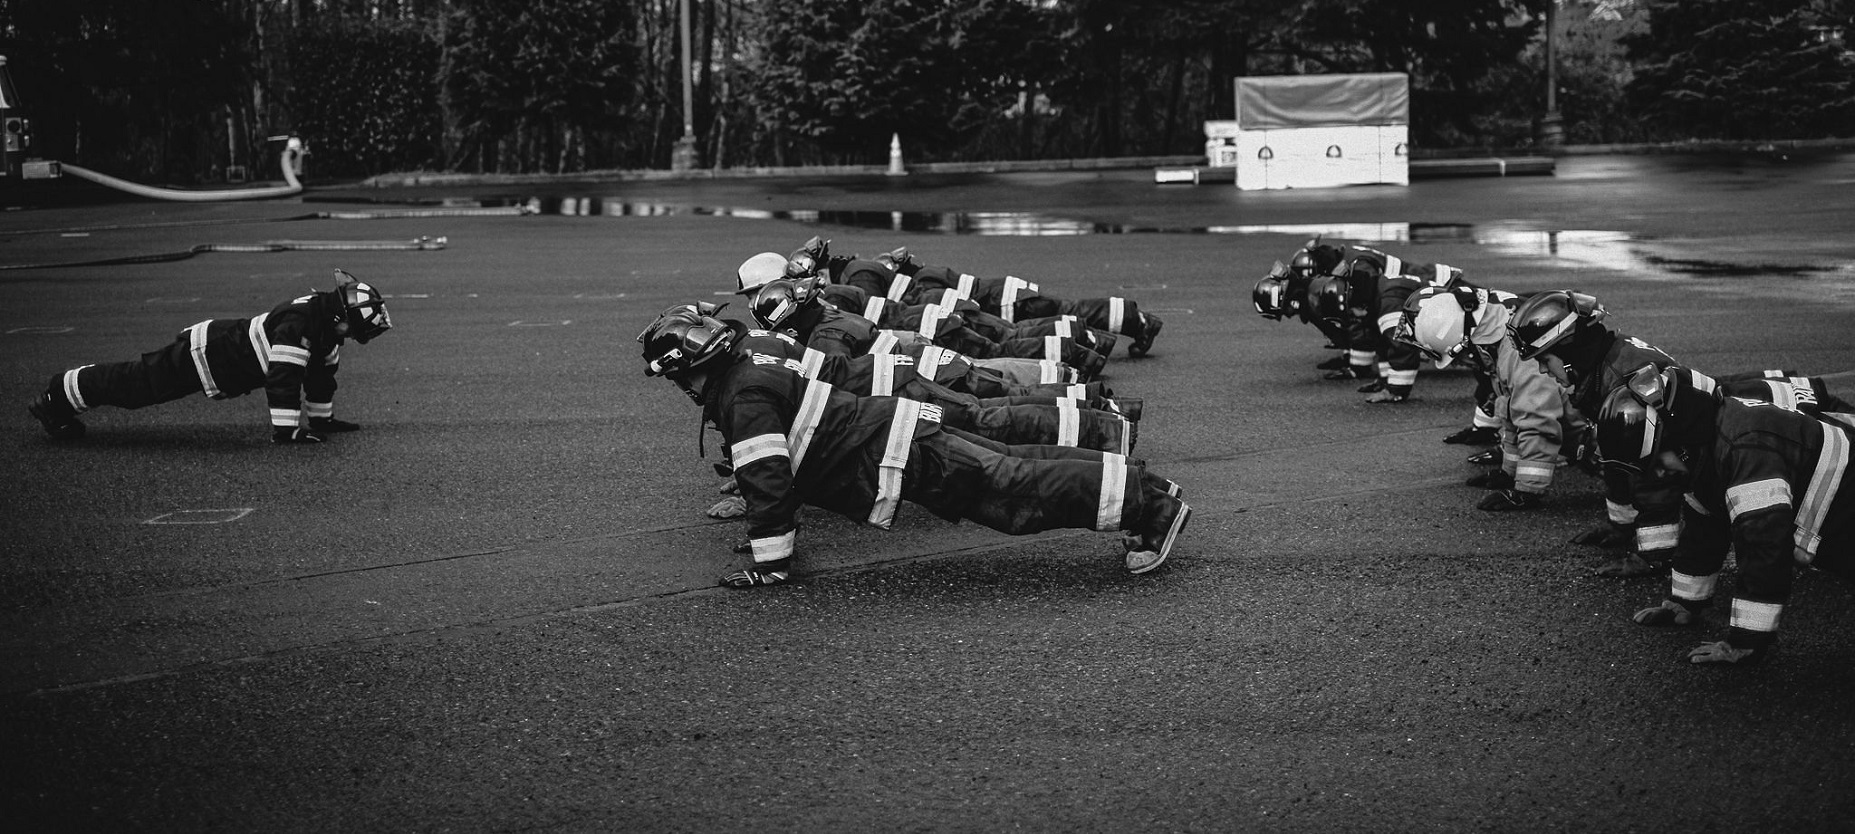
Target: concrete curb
1433,164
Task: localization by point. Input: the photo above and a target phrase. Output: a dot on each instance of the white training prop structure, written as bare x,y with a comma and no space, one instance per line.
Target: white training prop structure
1315,131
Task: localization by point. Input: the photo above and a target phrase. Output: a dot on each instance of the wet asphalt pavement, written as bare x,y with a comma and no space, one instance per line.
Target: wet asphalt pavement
493,608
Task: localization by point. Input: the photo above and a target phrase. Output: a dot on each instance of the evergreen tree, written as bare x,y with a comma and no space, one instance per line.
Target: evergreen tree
1745,69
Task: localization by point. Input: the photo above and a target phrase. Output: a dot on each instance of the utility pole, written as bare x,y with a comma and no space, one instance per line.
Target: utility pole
684,156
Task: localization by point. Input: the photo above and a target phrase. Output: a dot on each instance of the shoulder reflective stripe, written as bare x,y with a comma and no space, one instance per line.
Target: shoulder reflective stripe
931,317
1557,330
1389,321
805,423
286,417
1445,275
1117,313
950,297
1757,495
1068,423
934,356
967,282
261,341
810,362
1394,266
873,309
1065,328
882,375
1657,537
898,286
774,548
1619,513
73,392
289,355
886,342
1111,501
1125,446
1693,503
1053,348
758,448
1703,382
1049,372
1693,588
1782,394
1756,616
1832,466
319,409
1009,300
894,460
196,344
1077,392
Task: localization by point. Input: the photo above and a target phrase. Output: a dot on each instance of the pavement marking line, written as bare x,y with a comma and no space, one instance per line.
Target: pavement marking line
540,323
224,516
174,299
38,331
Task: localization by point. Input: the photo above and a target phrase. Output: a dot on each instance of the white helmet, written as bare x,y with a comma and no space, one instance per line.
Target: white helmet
1439,328
756,271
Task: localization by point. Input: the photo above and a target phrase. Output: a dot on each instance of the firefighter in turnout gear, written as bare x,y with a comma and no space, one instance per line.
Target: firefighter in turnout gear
1366,290
1769,484
292,352
797,306
1539,429
1282,294
1568,334
795,441
898,276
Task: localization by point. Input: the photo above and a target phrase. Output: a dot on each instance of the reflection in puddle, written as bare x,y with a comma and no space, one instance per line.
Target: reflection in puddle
1569,248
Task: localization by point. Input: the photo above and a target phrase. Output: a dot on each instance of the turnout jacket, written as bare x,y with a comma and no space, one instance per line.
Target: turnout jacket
1041,420
292,352
1538,423
1774,487
795,441
1658,522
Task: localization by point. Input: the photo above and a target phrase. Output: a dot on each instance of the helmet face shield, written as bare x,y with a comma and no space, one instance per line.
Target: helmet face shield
1271,295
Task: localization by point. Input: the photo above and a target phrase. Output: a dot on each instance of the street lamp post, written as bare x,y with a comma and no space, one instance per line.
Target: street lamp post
684,156
1552,125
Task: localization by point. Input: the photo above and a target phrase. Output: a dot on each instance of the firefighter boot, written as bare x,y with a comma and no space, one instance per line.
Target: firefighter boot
57,416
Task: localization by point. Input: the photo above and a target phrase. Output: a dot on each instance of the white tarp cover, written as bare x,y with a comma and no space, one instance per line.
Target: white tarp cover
1274,102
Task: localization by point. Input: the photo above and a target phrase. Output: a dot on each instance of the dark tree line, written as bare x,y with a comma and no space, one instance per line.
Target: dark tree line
187,90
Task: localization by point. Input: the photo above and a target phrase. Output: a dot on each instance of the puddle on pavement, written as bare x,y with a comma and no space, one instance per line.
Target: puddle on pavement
1570,248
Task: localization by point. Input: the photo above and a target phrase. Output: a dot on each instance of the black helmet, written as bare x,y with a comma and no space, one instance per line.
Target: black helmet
365,308
1314,259
1271,295
683,339
1330,296
778,300
1630,424
1547,319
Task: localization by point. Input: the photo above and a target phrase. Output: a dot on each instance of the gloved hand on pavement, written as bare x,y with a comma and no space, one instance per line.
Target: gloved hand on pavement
1724,653
733,506
1608,534
1669,613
